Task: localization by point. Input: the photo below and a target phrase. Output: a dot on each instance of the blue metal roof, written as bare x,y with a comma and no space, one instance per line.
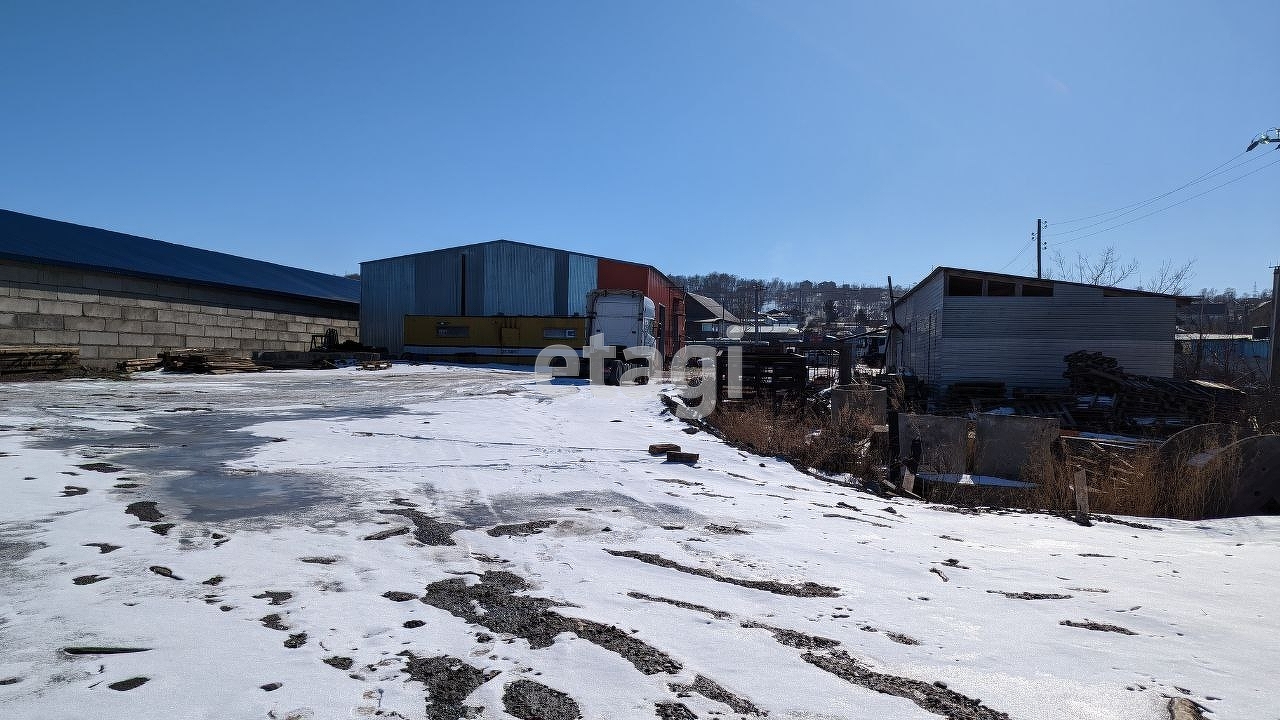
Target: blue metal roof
28,238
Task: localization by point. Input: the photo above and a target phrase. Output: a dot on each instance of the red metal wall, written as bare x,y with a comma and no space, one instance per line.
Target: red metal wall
616,275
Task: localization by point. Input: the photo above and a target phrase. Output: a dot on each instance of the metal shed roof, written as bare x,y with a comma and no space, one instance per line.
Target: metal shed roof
499,241
28,238
1005,276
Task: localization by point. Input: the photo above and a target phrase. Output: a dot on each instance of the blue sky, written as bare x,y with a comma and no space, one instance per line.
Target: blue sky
818,140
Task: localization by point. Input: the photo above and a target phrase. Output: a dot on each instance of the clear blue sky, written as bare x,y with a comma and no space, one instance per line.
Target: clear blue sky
819,140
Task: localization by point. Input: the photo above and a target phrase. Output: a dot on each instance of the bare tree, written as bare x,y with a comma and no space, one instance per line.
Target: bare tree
1108,268
1170,279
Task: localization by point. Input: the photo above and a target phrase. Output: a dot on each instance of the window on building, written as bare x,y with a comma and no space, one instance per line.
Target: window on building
559,333
1000,288
1029,290
453,331
958,286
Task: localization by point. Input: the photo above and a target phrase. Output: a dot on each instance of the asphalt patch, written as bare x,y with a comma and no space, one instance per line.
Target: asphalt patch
710,689
144,510
102,467
1100,627
805,589
429,530
528,700
931,697
493,604
448,681
793,638
673,711
718,614
277,597
520,530
273,622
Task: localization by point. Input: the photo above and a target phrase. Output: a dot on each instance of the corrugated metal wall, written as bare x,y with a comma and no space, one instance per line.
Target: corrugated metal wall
519,280
494,278
1021,340
582,280
919,315
387,290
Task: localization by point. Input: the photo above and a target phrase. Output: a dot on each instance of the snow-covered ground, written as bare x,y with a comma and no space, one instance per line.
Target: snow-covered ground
540,562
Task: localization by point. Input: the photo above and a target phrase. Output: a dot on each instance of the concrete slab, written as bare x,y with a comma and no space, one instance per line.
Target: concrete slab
1007,443
858,400
945,441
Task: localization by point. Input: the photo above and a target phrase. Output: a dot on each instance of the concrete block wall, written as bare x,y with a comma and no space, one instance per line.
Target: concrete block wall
114,317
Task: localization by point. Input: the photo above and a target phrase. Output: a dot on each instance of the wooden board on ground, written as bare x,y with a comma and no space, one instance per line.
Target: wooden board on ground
24,359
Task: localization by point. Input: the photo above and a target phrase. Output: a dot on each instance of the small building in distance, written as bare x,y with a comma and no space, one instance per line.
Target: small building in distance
504,278
118,297
961,325
707,319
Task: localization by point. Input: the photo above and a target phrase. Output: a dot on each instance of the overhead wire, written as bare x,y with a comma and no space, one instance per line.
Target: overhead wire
1138,205
1166,207
1031,242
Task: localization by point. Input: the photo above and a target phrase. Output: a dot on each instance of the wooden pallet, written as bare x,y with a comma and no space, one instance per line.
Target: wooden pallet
28,359
207,361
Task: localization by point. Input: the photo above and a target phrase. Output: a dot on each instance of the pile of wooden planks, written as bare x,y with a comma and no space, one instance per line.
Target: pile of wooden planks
29,359
1092,372
138,364
1142,400
208,361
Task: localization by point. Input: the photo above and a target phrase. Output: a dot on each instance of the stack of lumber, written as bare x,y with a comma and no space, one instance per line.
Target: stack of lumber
1138,398
139,364
765,372
25,359
296,360
1093,372
204,360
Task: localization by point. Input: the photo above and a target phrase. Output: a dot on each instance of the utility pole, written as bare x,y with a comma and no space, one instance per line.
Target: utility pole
1272,136
1039,247
757,287
1275,328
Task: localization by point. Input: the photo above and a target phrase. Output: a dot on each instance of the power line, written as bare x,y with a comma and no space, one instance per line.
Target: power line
1167,207
1148,201
1015,257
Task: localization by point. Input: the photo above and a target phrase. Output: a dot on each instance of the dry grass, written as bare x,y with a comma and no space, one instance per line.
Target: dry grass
1138,481
801,435
1141,481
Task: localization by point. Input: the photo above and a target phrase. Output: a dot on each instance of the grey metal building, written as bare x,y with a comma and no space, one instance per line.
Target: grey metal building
499,277
119,296
961,325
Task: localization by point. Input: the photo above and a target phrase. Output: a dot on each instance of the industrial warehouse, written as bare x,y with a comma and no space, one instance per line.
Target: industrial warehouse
429,304
105,297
